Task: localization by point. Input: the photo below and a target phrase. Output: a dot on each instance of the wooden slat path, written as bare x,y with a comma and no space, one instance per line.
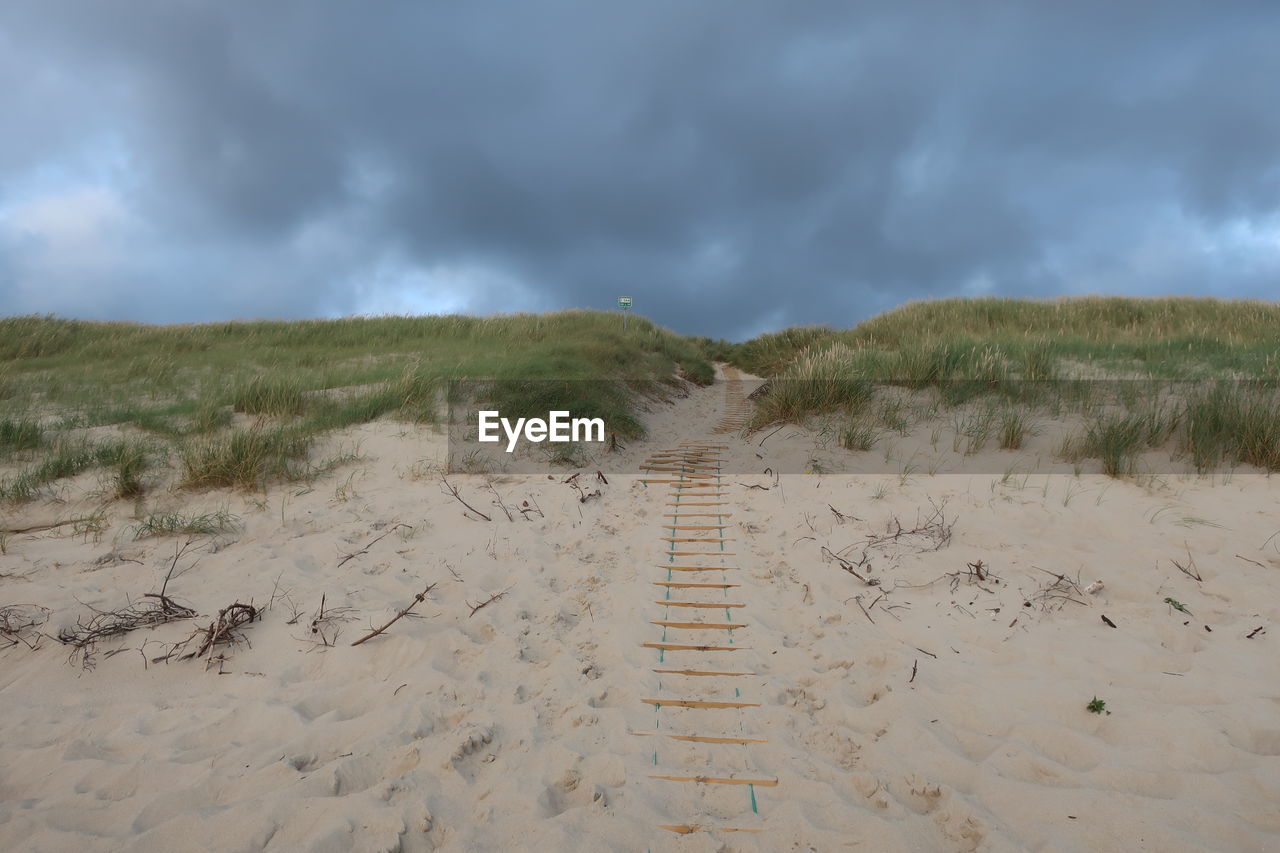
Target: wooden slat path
696,514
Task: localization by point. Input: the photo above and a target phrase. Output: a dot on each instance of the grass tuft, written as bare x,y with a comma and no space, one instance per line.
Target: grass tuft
175,524
246,459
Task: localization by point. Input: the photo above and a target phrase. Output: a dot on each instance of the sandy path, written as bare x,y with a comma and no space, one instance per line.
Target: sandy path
703,730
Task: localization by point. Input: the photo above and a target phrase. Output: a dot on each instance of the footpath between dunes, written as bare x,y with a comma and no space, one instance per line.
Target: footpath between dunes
714,652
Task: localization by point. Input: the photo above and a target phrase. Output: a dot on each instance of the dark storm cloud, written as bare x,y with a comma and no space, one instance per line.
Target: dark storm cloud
733,166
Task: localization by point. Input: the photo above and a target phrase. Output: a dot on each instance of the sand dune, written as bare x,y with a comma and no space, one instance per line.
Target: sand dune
933,706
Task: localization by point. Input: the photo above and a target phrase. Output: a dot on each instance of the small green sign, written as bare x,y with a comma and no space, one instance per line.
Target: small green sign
624,301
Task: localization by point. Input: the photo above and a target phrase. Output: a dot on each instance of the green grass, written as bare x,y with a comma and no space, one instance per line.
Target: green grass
246,458
188,386
1234,423
68,458
177,524
298,380
19,434
1078,356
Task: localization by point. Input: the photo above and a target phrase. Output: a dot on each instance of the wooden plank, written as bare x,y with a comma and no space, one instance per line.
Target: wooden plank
680,647
701,568
703,738
701,672
716,780
695,539
701,554
706,604
697,514
695,526
699,703
686,828
697,626
679,585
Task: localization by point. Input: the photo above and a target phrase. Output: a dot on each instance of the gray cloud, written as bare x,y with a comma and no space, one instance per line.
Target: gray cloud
733,166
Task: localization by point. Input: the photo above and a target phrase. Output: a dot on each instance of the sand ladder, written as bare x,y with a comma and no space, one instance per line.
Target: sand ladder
702,723
738,406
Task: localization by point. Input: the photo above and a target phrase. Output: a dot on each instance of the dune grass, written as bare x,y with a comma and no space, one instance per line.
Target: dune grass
178,524
1219,361
185,384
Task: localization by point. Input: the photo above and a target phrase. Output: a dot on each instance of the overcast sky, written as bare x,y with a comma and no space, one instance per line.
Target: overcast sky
733,166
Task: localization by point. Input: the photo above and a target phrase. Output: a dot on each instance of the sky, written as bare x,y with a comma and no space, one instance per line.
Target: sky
734,166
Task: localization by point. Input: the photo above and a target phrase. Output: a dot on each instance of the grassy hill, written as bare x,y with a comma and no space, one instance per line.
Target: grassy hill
1200,373
179,386
1197,374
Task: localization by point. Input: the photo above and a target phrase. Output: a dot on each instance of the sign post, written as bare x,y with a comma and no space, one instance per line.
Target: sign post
624,302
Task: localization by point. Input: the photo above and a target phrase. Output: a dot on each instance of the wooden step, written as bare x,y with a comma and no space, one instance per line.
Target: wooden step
703,738
704,604
701,554
718,780
681,647
697,672
701,568
697,626
699,703
681,585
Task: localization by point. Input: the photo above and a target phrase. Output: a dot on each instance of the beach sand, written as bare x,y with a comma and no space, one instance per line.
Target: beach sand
931,706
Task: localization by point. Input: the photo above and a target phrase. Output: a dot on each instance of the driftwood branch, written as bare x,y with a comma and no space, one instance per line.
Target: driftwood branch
490,600
36,528
365,549
417,599
453,490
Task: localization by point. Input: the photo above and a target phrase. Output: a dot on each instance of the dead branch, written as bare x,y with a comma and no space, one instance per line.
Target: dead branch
526,508
583,494
112,623
1055,595
933,533
179,552
36,528
841,517
1247,560
224,630
417,599
858,599
975,573
490,600
848,566
20,624
497,501
375,541
914,665
453,490
326,623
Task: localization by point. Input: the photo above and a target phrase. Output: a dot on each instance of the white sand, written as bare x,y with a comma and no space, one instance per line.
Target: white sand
514,729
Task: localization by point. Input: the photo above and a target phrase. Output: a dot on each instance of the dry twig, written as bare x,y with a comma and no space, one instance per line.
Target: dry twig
374,541
453,490
490,600
20,624
417,599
